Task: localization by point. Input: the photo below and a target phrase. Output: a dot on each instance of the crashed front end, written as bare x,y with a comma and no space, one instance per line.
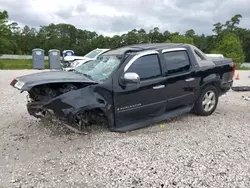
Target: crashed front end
43,110
72,105
39,109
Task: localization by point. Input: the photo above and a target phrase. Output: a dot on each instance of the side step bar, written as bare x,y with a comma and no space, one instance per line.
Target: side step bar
147,122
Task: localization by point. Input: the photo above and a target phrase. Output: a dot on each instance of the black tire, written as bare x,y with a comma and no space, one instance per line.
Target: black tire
199,108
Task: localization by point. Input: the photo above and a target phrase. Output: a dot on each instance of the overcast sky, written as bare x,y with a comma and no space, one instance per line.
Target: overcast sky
110,17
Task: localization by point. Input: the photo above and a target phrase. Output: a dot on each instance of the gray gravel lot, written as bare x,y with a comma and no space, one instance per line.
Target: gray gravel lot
188,151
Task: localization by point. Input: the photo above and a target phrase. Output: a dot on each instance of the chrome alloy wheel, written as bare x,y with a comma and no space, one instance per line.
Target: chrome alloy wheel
209,101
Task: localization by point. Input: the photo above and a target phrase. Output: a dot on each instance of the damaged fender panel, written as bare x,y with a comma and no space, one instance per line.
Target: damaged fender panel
68,105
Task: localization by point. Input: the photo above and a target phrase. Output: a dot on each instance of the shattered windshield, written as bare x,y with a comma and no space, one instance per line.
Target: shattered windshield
101,68
93,54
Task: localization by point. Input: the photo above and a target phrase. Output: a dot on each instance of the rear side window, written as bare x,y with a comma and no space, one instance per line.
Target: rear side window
177,62
147,67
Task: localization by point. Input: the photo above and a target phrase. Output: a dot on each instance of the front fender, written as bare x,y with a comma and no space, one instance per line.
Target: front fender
69,104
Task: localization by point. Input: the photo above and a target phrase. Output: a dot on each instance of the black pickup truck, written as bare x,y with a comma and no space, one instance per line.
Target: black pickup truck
130,87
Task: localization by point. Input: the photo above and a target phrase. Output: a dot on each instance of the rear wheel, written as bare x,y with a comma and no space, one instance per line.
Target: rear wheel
207,102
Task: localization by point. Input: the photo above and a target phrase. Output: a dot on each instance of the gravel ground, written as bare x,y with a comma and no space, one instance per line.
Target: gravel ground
188,151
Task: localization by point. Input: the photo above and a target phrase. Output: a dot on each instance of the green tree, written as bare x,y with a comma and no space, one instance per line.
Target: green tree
190,33
244,35
180,39
5,33
155,35
231,47
217,28
231,24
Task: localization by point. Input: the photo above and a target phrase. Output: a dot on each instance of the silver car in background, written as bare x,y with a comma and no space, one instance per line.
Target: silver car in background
74,61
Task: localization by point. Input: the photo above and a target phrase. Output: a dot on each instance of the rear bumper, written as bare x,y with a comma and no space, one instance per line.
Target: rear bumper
225,87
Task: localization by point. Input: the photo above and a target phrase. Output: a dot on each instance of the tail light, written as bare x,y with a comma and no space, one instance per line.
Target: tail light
12,83
233,69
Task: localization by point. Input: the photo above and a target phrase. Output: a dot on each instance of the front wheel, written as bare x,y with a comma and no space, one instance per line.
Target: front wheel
207,102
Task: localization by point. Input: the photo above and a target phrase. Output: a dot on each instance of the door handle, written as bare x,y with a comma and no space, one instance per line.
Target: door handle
189,79
159,87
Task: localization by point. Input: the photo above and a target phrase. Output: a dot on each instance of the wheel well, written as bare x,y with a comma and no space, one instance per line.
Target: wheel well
88,117
212,83
216,84
98,115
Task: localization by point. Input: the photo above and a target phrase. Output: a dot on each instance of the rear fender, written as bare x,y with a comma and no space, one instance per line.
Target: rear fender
212,79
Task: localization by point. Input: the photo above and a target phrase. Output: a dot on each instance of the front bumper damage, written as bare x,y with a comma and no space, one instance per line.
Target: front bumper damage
72,109
39,110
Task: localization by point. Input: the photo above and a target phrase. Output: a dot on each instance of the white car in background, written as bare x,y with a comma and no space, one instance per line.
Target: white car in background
213,56
79,60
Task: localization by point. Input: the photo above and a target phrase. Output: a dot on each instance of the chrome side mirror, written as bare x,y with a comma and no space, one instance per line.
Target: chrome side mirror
130,78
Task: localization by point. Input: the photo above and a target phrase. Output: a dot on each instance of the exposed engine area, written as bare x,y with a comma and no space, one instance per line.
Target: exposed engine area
44,93
48,91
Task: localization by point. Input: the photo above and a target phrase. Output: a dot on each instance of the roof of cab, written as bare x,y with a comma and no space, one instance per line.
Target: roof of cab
146,46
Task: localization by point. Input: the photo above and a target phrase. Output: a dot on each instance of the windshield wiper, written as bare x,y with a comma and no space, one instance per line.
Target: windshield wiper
88,76
84,74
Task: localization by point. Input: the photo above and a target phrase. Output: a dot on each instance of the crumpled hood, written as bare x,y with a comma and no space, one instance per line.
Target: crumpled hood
45,77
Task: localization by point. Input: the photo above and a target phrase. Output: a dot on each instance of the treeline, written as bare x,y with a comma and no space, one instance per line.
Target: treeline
228,38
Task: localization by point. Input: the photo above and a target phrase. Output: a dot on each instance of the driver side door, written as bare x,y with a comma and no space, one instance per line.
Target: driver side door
143,100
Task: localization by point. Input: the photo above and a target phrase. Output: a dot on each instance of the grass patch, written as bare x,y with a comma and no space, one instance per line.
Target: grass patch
14,64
